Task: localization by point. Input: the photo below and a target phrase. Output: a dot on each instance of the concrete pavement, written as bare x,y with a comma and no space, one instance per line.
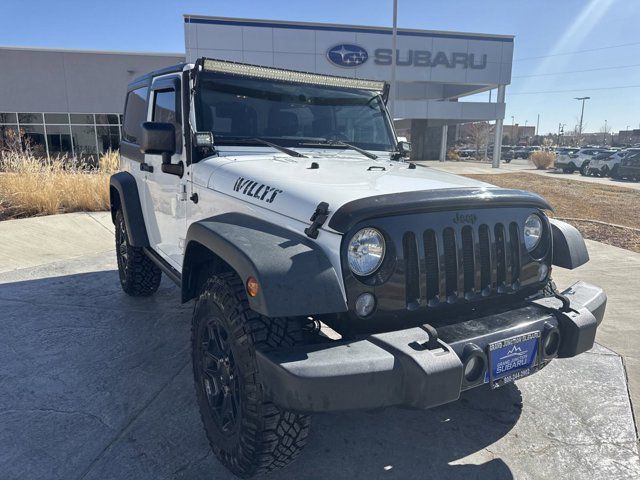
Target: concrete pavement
97,385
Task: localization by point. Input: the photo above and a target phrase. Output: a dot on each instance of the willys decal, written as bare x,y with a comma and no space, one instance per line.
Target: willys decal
254,189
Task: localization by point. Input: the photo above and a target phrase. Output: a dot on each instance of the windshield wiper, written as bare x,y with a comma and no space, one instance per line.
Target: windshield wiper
245,140
286,150
347,145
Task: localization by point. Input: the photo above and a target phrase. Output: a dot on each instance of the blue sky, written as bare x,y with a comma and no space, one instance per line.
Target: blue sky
541,27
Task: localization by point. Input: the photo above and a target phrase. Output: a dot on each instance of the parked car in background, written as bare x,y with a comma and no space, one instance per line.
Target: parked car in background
578,160
629,167
604,164
520,152
507,153
466,152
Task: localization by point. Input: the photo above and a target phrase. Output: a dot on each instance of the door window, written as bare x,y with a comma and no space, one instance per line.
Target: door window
135,113
164,110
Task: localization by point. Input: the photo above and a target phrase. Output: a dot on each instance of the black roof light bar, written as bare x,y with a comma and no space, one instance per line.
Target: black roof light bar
293,76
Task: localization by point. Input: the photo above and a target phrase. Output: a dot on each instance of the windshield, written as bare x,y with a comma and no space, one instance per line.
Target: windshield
236,108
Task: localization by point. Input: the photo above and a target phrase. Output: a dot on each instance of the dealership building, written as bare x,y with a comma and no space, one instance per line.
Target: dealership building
64,101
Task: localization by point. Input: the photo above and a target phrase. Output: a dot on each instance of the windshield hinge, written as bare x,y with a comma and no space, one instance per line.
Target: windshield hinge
318,218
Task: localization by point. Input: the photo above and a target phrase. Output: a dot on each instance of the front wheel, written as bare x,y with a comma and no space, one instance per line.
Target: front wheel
139,276
248,434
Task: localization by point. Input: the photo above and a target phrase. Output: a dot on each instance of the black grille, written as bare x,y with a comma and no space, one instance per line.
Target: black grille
461,263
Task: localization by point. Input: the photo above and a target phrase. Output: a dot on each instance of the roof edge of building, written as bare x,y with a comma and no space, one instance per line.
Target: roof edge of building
100,52
337,26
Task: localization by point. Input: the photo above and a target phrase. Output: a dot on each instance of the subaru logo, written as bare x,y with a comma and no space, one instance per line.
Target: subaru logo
345,55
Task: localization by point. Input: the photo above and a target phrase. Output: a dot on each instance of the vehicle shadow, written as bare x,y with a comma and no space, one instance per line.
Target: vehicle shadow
104,381
448,442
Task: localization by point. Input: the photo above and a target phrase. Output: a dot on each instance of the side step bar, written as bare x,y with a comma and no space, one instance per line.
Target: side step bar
163,265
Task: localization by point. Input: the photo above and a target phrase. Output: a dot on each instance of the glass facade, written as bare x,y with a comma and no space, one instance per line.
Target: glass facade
80,135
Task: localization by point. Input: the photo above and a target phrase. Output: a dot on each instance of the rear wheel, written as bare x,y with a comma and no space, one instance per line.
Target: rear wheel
614,173
584,168
249,434
604,171
139,276
569,168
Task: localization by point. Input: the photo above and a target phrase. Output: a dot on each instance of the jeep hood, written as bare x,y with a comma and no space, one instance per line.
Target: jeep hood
295,186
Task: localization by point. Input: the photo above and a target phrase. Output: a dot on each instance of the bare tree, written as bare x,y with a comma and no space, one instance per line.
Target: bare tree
604,130
479,134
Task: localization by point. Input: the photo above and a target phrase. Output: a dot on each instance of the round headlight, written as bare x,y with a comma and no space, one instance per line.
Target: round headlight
532,231
366,251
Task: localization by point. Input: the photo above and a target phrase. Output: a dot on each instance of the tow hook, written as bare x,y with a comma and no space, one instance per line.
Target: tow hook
318,218
566,303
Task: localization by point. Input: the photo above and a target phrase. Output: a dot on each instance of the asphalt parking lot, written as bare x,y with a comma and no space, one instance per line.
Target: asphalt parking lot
97,385
522,165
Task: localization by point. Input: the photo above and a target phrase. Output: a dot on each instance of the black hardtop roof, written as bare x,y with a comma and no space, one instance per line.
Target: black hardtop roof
146,78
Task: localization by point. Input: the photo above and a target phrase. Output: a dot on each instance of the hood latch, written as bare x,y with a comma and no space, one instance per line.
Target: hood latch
318,218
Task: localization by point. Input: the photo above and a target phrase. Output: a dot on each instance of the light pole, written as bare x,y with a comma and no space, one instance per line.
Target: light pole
604,135
582,99
627,135
560,132
513,132
394,54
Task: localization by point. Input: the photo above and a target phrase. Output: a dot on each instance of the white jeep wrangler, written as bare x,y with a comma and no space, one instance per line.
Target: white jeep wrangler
329,272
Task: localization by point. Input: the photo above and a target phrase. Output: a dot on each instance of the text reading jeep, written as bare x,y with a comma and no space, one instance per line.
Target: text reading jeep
329,272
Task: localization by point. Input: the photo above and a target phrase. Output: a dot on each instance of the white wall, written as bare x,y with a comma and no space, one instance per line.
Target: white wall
304,47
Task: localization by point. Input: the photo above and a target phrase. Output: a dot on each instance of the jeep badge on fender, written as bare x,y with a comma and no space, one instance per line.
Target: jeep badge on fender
299,223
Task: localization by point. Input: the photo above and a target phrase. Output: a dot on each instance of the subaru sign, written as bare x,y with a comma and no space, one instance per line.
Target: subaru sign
346,55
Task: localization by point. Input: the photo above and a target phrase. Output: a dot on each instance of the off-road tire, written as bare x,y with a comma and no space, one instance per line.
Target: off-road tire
262,437
139,276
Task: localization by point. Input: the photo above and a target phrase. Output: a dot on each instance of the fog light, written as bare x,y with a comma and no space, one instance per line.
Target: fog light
551,343
365,304
473,363
473,368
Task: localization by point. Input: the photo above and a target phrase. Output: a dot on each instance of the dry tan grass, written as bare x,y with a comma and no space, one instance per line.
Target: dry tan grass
582,200
543,160
32,186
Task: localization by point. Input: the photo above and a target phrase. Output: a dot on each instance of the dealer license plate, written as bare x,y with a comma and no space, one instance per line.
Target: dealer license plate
513,358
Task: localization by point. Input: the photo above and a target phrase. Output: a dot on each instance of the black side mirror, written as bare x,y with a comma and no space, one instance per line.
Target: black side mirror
158,139
404,148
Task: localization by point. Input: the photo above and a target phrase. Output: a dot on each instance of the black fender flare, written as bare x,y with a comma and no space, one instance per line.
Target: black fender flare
569,249
123,193
294,275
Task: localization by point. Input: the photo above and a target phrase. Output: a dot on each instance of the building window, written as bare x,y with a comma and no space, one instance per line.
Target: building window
108,137
82,118
80,135
33,139
30,118
84,140
56,118
59,140
8,117
9,138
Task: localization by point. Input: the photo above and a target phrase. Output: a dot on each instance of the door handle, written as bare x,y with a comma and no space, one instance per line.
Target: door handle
145,167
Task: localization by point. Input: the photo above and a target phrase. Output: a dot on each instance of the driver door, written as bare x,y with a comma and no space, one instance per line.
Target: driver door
166,194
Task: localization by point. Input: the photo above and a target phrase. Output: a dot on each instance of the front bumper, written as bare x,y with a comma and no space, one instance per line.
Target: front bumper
402,368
